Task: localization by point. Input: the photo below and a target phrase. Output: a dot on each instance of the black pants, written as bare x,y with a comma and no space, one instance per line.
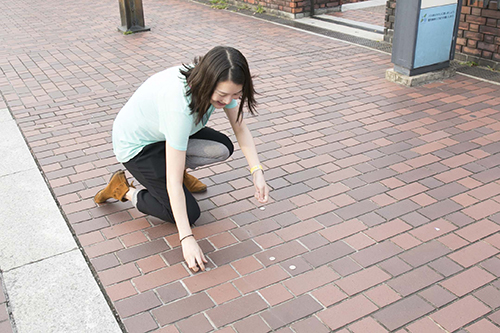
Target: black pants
149,169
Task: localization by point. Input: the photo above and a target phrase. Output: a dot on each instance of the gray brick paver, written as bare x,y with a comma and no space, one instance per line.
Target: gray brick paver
64,87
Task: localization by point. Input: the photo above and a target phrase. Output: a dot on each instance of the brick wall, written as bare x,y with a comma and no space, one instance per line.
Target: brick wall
478,36
390,15
292,8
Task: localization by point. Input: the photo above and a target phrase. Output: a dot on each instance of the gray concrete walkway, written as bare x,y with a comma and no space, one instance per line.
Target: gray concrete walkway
49,286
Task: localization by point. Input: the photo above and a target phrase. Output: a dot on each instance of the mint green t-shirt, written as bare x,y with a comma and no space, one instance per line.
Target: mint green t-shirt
157,111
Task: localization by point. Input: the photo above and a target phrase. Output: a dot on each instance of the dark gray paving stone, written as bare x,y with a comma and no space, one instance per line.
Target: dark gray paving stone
459,219
278,183
386,161
136,304
489,295
171,292
446,266
397,209
402,312
377,175
395,266
414,281
487,175
237,309
490,162
367,191
304,175
372,219
365,167
431,182
291,311
289,191
141,323
424,253
437,296
447,191
313,241
492,265
415,219
316,183
328,253
474,167
234,252
416,175
329,219
376,253
463,147
244,218
345,266
440,209
353,182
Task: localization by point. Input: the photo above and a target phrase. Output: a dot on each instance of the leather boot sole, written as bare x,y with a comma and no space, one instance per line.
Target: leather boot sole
117,188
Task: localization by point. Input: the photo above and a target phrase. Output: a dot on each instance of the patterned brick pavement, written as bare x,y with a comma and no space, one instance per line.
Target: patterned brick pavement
385,208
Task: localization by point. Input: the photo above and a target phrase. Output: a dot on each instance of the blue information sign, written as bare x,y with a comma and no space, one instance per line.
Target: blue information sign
434,35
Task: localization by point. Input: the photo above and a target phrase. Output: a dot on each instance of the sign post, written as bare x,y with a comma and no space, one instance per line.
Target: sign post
424,41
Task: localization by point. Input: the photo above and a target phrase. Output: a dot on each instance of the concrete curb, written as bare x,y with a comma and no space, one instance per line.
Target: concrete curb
49,285
364,4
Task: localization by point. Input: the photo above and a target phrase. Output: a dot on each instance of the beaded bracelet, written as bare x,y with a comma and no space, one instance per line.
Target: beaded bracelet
183,238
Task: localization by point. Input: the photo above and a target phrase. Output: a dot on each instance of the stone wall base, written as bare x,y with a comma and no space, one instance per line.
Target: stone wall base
480,61
418,80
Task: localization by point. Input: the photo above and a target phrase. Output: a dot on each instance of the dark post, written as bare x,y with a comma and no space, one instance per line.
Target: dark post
132,16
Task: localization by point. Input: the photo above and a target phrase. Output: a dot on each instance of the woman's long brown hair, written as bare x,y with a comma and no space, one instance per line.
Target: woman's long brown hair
220,64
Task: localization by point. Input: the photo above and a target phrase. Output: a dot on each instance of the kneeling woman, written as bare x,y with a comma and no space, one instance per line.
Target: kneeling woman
161,131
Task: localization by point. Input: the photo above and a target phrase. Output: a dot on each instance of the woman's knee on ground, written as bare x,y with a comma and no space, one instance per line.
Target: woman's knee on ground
204,152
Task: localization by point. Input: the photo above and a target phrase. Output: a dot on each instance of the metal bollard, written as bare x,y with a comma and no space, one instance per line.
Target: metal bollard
132,16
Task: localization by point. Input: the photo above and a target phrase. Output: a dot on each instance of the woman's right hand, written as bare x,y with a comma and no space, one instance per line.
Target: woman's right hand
193,254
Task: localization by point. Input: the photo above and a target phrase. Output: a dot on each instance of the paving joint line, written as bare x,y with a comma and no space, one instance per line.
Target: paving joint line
49,187
415,293
3,289
68,224
40,260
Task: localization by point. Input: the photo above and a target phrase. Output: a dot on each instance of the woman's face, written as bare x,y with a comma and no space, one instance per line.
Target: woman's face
224,93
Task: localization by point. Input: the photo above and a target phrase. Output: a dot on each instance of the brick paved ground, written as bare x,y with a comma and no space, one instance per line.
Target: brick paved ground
372,15
385,210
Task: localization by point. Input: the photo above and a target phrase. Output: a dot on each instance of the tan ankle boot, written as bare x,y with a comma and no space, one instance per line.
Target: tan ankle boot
193,184
117,187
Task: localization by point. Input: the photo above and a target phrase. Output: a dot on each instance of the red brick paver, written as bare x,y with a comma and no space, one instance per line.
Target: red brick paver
385,209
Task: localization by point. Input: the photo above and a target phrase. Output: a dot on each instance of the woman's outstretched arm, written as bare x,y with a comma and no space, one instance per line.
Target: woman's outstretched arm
247,145
175,172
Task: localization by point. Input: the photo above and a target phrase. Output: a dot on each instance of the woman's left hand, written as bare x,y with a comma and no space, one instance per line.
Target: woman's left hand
261,188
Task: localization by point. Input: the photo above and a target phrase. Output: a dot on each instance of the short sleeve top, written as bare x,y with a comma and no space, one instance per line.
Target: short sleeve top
157,111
